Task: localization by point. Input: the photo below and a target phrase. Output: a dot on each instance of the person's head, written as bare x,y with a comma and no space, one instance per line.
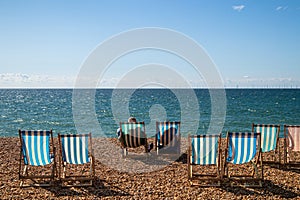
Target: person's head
131,119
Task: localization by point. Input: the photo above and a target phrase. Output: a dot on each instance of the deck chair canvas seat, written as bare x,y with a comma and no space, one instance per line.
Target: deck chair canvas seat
292,145
167,138
269,141
37,158
133,135
204,152
76,152
243,159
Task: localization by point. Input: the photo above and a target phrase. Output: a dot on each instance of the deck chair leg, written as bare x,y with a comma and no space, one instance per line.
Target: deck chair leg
190,170
25,172
64,170
21,183
91,166
275,159
288,157
91,172
279,155
125,152
55,171
255,171
190,174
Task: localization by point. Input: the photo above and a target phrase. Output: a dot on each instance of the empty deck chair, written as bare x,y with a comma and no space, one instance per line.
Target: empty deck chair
37,158
269,140
76,151
243,159
291,145
204,152
167,137
133,135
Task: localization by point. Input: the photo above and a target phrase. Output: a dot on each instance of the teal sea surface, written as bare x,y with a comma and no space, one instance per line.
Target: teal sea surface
41,109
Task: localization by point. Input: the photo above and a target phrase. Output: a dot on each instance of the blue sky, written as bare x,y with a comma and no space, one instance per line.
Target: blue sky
254,43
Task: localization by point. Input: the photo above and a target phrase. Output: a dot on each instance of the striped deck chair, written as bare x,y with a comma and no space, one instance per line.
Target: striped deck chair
291,145
38,153
168,137
133,135
204,152
243,159
76,150
269,140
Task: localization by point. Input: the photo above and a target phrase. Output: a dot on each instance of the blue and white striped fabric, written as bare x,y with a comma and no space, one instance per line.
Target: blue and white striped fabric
35,147
75,148
128,127
166,132
241,147
269,134
204,149
133,134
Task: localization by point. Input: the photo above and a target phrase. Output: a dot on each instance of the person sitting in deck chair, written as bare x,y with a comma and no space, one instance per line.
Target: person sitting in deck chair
132,120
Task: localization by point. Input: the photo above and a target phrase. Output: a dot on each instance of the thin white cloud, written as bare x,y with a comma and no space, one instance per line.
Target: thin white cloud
238,8
281,8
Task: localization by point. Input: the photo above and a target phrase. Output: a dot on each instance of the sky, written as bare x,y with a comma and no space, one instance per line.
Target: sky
253,43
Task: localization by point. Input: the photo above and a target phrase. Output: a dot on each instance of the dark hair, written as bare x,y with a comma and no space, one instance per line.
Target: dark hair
131,119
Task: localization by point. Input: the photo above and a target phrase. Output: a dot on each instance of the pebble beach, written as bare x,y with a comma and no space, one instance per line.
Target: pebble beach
169,181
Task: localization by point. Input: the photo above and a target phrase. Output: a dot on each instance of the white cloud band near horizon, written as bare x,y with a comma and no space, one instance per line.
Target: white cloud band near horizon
19,80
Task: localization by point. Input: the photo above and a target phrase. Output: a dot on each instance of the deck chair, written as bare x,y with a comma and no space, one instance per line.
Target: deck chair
133,135
37,158
204,153
76,152
167,138
269,140
291,145
243,159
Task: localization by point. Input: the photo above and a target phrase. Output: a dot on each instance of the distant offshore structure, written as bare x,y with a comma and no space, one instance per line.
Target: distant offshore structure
265,87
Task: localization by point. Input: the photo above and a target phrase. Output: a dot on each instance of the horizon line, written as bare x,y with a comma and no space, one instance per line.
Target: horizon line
7,88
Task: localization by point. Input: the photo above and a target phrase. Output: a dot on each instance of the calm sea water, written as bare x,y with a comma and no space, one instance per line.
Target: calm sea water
52,109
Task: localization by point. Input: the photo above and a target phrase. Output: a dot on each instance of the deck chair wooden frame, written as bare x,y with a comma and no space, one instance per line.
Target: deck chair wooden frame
76,151
269,141
204,150
168,137
37,158
133,135
243,149
291,145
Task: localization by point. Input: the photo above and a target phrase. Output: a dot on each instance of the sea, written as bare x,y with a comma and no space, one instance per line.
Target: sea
100,111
